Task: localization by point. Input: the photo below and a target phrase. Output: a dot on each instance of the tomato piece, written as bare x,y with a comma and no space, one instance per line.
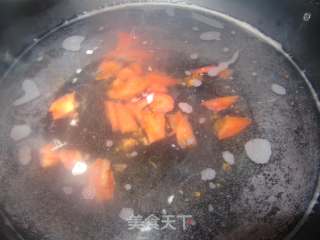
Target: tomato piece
154,125
120,117
126,120
136,108
221,103
111,115
127,85
182,128
69,157
160,82
108,69
128,144
136,68
124,40
162,103
48,157
64,106
128,50
101,178
230,126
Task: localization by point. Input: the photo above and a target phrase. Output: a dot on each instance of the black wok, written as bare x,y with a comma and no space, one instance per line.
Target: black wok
276,200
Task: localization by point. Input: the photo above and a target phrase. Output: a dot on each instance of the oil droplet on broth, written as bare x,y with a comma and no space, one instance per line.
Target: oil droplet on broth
278,89
126,213
228,157
20,132
31,92
208,174
259,150
24,155
73,43
210,36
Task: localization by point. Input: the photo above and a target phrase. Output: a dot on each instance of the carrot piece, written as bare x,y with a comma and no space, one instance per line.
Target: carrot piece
136,108
221,103
127,85
127,50
136,68
162,103
133,87
101,178
127,144
120,167
183,130
126,121
159,82
230,126
124,40
130,55
120,117
48,157
111,115
154,125
69,157
108,69
64,106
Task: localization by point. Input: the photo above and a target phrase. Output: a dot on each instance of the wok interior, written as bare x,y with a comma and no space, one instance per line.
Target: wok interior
248,201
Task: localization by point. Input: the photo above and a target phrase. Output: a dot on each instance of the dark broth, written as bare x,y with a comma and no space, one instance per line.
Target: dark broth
238,198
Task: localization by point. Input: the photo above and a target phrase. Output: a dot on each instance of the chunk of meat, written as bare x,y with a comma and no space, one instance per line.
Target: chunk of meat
160,82
183,130
64,106
127,85
162,103
108,69
221,103
154,125
230,126
48,157
101,179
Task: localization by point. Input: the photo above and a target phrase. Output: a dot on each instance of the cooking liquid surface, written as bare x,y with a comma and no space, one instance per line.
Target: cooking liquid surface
223,187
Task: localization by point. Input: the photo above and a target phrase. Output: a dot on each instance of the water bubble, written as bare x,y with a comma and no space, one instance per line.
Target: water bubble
31,92
278,89
89,52
185,107
259,150
19,132
208,174
306,16
126,213
73,43
210,36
